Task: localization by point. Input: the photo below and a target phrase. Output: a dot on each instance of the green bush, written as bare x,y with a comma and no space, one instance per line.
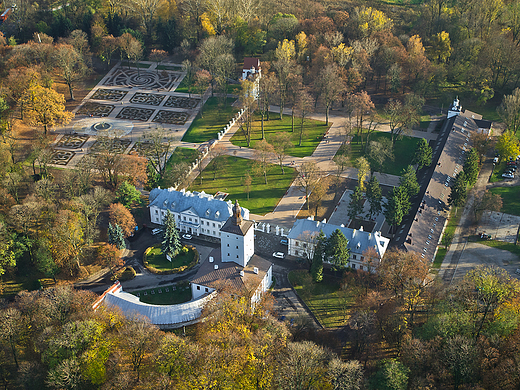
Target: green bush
122,275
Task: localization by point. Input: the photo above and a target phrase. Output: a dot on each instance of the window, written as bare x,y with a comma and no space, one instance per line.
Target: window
206,289
198,287
213,224
362,258
185,218
237,246
156,211
237,256
305,245
190,219
353,266
228,254
214,232
227,244
297,243
354,257
296,253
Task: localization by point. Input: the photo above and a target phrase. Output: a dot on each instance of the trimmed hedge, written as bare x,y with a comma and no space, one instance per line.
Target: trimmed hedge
156,271
124,274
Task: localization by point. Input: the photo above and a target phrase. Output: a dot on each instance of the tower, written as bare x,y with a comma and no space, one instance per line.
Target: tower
237,239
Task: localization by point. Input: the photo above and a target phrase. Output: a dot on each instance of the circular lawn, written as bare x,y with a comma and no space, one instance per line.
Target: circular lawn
155,259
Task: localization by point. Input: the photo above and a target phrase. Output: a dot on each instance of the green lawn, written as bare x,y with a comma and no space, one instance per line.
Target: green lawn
157,259
170,67
215,117
312,134
510,198
404,150
229,177
124,64
327,301
439,258
506,246
498,171
176,294
187,155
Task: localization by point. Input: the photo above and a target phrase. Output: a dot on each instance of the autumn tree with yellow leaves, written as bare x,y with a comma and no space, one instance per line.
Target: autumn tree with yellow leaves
45,107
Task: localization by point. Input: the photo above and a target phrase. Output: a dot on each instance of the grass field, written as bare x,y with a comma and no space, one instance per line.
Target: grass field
186,155
327,301
312,134
498,171
506,246
404,150
176,294
157,259
215,117
510,198
229,178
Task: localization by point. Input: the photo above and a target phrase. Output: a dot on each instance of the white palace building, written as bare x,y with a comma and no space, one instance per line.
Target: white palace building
195,212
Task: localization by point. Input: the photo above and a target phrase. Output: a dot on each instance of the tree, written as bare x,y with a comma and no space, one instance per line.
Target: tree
374,196
355,206
317,258
304,106
285,65
44,261
508,145
397,206
337,249
391,375
281,143
45,107
109,45
380,152
115,236
70,65
12,330
140,339
403,117
127,194
263,154
120,215
481,142
362,106
346,375
408,181
492,286
330,87
363,167
458,192
157,145
131,47
423,154
317,194
66,240
486,201
249,104
109,255
7,257
309,174
266,88
202,81
471,167
509,111
216,57
171,244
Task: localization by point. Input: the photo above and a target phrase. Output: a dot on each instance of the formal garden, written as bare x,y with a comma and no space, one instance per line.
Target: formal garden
172,294
313,132
403,152
229,174
155,260
214,117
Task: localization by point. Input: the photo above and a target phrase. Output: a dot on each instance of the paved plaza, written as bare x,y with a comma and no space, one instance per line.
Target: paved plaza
501,227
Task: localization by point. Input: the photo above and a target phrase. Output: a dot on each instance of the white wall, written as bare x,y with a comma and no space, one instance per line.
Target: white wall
198,290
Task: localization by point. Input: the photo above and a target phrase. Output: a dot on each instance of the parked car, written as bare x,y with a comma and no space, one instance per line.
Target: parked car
156,231
495,160
279,255
508,176
284,241
187,236
484,236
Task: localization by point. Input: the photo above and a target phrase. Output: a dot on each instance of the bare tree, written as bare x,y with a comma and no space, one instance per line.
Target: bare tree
157,146
281,144
330,87
309,174
263,154
70,65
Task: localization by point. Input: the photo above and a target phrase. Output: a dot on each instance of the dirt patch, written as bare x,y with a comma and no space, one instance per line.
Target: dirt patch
333,194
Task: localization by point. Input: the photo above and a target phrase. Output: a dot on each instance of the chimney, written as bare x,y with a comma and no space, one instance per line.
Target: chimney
215,266
242,273
361,229
211,259
255,270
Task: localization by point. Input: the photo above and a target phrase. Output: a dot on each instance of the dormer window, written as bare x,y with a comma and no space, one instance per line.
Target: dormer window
166,203
217,214
208,211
